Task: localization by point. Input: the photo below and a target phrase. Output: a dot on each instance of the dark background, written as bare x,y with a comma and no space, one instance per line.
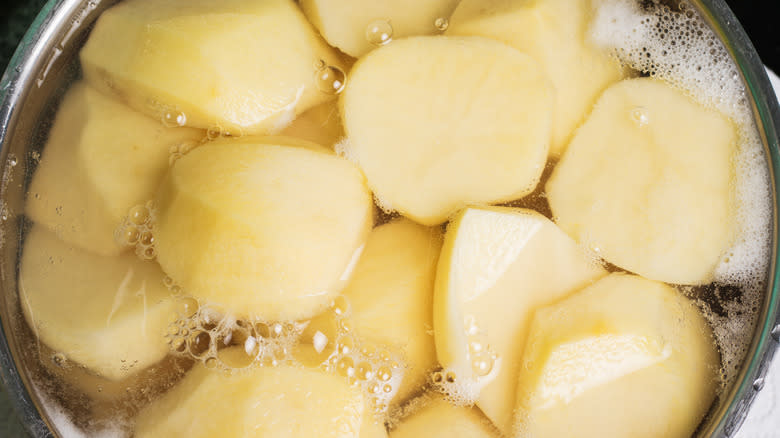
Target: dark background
757,17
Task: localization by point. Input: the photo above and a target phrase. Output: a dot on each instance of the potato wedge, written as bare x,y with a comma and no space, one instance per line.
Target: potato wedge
648,183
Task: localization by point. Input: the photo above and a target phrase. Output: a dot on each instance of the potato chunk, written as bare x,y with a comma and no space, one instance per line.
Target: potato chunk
101,159
261,230
627,355
647,183
356,30
245,66
281,401
553,32
439,419
496,267
437,123
109,314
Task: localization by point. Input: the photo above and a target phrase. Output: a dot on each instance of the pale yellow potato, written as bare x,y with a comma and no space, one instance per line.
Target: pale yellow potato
281,401
440,419
647,183
245,66
497,266
321,125
626,355
437,123
109,314
101,159
349,27
553,32
261,230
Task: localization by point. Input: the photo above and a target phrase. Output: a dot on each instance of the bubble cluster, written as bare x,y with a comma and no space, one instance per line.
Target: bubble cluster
379,32
202,333
179,150
329,78
136,230
461,383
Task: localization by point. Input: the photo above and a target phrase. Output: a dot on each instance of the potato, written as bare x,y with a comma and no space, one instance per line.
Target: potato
357,30
553,32
109,314
100,160
321,125
647,183
281,401
439,419
259,229
244,66
437,123
627,355
497,266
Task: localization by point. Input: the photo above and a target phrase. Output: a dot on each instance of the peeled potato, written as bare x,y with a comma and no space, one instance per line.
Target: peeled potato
321,125
281,401
626,355
261,230
109,314
647,183
357,30
100,160
243,65
553,32
440,419
497,266
437,123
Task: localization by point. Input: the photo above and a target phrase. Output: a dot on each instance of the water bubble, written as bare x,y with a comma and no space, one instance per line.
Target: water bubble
168,281
149,253
475,347
368,350
450,377
59,359
211,362
173,119
147,238
130,235
346,345
758,384
640,116
379,32
364,371
187,307
276,330
384,374
319,64
387,389
214,132
173,330
345,366
776,333
12,160
437,377
262,330
340,305
345,326
330,79
441,23
482,365
373,388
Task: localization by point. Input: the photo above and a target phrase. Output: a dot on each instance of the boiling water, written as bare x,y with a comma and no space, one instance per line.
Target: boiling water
655,39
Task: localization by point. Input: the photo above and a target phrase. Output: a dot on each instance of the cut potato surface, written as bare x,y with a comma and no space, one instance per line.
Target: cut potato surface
497,266
633,185
101,159
553,32
627,355
109,314
281,401
440,419
321,125
357,29
437,123
262,230
241,65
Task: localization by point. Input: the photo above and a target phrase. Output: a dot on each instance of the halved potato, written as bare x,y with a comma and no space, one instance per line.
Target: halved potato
101,159
497,266
648,183
109,314
242,65
440,419
259,229
437,123
357,30
281,401
554,33
626,355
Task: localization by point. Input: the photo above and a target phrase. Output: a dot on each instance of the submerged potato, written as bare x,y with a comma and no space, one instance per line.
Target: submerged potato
356,28
261,229
437,123
280,401
109,314
101,159
633,185
242,65
627,355
497,266
553,32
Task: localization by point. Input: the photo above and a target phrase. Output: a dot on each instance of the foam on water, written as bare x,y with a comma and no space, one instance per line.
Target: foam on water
678,47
